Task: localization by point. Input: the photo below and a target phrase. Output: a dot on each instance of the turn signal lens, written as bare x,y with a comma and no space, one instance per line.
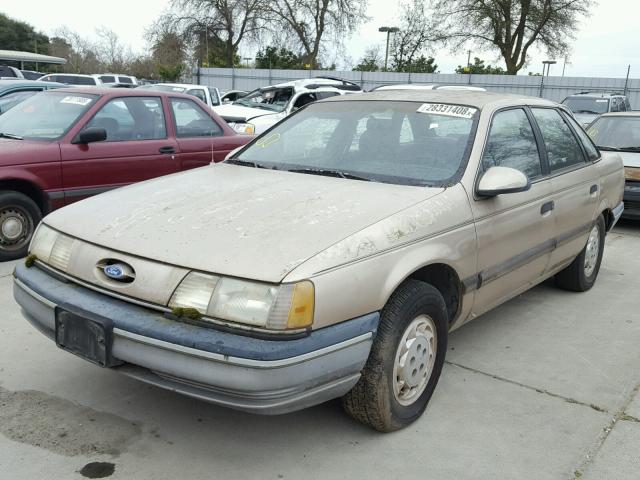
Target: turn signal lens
51,247
302,305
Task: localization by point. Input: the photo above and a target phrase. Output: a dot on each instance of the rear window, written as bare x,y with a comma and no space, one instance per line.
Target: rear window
592,105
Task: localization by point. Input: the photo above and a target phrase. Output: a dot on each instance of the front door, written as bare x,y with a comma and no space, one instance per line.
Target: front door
514,230
137,148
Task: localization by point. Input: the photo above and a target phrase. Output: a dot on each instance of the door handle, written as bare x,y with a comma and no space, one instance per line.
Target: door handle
547,207
593,189
168,149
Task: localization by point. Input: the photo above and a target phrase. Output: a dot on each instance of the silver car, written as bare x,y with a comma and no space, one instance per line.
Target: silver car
331,256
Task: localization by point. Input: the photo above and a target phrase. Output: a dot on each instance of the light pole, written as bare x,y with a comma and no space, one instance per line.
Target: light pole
547,63
389,30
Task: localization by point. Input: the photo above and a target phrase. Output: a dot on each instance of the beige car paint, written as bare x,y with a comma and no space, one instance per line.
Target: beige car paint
356,241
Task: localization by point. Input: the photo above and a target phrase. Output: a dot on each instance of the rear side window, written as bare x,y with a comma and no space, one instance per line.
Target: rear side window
512,144
126,80
589,147
108,78
215,99
83,81
196,92
563,149
192,121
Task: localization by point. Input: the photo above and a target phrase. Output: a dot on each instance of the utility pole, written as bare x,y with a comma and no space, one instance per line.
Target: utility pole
388,30
469,60
626,81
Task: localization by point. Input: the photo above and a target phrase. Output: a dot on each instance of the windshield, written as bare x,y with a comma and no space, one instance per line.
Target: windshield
46,115
273,99
618,132
407,143
594,106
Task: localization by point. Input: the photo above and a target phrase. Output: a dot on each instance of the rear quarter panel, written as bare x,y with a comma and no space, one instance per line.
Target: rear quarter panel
611,173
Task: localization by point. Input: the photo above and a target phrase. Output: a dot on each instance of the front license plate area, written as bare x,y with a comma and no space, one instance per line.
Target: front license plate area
89,338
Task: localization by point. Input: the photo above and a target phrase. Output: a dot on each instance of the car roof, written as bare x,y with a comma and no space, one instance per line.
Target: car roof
472,98
121,92
182,85
596,94
21,82
634,113
71,75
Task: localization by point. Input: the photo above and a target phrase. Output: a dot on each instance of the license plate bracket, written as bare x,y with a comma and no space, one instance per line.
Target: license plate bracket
87,336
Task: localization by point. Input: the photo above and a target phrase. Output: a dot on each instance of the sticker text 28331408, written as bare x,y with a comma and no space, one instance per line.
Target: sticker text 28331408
449,110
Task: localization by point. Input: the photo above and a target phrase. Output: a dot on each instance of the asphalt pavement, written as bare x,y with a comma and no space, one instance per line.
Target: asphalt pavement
544,387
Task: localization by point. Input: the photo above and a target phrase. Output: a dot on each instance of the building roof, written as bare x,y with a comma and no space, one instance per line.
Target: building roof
16,56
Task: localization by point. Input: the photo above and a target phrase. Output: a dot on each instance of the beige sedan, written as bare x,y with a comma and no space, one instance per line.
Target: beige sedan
332,255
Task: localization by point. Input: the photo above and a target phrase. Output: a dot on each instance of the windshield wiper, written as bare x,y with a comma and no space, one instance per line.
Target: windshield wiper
587,111
247,163
11,136
629,149
329,173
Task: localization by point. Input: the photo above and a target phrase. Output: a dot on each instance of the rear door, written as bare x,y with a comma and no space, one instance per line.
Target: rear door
576,187
137,148
201,138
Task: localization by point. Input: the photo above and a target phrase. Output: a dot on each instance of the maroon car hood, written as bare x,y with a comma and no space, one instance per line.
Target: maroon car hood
21,152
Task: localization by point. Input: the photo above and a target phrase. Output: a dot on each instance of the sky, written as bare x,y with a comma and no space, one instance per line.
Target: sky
606,43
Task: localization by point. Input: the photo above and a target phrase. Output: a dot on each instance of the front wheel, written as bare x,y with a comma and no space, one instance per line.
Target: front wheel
19,216
581,274
405,360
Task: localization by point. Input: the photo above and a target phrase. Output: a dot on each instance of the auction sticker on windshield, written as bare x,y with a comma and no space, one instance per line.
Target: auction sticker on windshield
448,110
76,100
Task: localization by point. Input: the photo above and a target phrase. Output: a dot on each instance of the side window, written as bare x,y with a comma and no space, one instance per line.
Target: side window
198,93
108,78
215,99
512,144
592,152
303,100
192,121
131,118
563,149
322,95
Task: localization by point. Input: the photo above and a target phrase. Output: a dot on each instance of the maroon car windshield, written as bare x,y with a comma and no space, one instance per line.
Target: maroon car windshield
46,115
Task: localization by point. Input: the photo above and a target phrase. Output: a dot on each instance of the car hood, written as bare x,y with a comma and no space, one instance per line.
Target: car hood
241,112
234,220
18,152
630,159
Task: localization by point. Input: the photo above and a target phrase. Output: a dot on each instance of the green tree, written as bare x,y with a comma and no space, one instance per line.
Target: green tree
16,35
421,64
273,57
478,67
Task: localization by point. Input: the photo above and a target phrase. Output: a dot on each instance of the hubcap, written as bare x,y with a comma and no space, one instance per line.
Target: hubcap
592,251
414,360
13,228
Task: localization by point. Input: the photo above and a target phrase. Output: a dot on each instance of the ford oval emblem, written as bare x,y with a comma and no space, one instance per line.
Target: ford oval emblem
114,271
117,270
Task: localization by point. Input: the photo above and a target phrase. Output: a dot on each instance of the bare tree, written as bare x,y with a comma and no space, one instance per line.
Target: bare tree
111,51
415,32
82,57
223,23
512,27
312,22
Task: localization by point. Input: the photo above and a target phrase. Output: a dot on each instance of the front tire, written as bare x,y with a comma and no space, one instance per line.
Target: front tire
583,271
19,216
405,362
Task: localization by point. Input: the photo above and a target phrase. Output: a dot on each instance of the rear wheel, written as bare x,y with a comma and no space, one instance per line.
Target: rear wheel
583,271
405,360
19,216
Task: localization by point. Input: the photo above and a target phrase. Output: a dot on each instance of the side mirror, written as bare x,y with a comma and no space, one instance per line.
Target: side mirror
501,180
90,135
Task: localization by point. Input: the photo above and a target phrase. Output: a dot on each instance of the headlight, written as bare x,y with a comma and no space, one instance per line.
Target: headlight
51,247
244,128
264,305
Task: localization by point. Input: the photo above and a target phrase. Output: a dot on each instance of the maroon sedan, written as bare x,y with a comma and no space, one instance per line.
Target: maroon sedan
60,146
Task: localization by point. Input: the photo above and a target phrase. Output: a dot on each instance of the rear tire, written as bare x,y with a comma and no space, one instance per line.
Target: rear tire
405,362
19,216
583,271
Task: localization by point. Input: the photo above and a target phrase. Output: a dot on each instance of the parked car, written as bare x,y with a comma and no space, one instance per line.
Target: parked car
63,145
620,132
31,74
331,256
261,109
10,72
232,95
208,95
15,91
118,79
73,79
586,106
419,86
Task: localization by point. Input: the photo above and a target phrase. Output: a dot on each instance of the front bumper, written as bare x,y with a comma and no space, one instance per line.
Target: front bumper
632,200
257,375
